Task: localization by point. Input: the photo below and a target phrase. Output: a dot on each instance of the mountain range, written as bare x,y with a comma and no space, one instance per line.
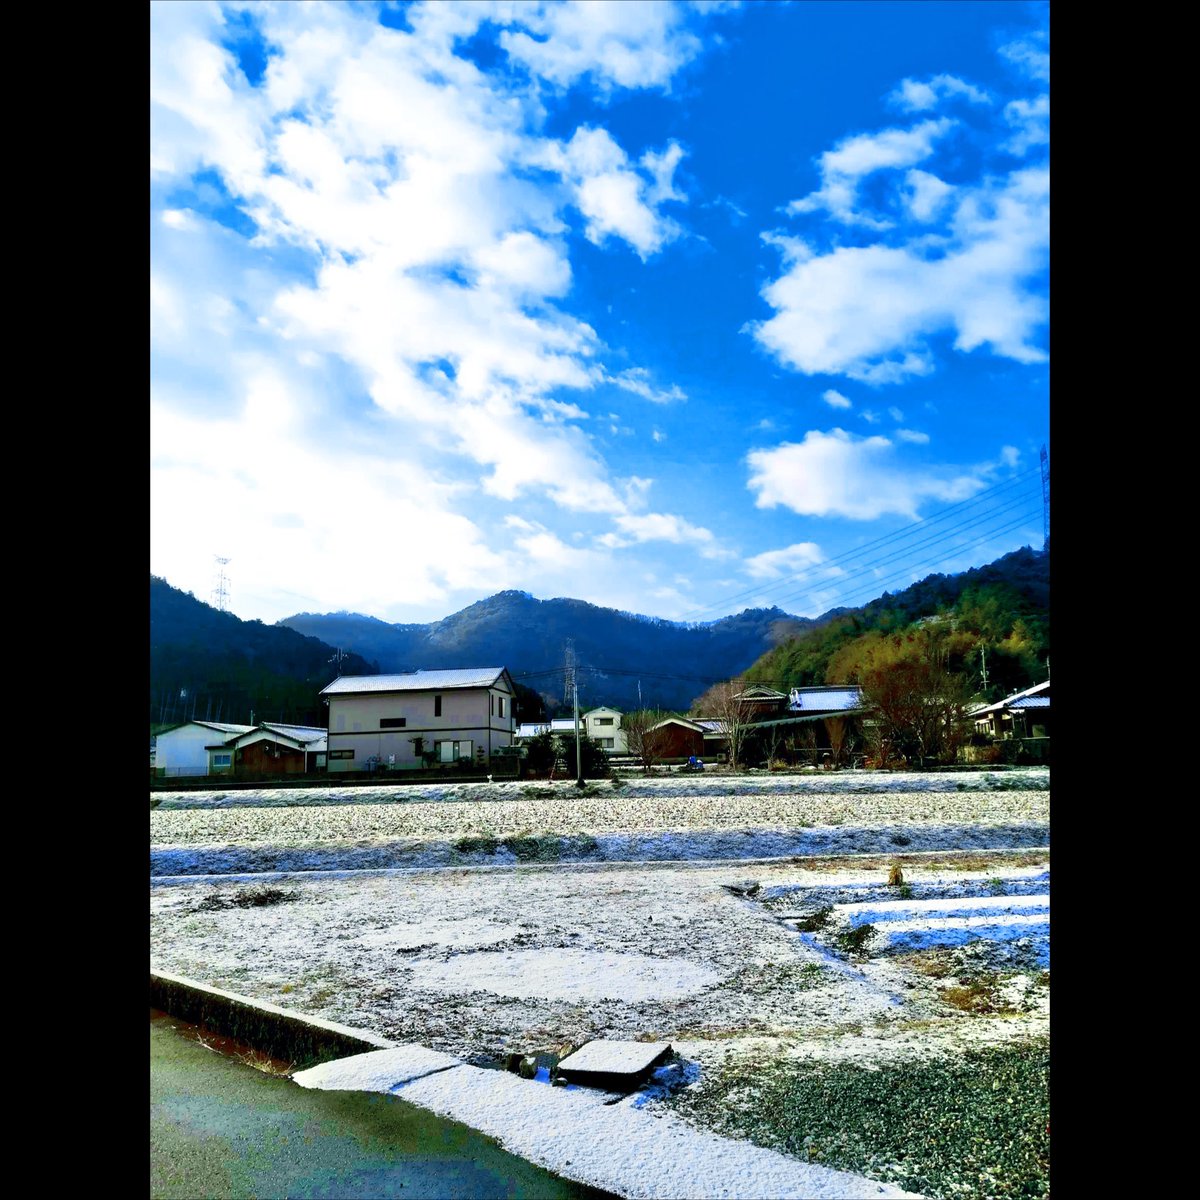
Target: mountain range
228,668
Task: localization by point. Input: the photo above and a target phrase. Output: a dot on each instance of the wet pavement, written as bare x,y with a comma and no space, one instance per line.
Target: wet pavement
220,1128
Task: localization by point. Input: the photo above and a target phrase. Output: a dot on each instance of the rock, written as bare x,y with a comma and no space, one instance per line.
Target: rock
528,1067
748,887
512,1062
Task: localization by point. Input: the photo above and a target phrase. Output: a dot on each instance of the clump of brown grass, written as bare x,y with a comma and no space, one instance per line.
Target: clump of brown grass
980,994
936,961
895,876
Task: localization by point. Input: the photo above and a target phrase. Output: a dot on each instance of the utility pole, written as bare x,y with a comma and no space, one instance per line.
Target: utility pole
983,652
578,749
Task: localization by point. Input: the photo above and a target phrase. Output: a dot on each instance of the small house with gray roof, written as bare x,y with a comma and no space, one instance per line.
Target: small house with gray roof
418,718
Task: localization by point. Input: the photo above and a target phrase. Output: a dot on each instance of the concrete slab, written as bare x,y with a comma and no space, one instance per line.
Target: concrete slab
603,1056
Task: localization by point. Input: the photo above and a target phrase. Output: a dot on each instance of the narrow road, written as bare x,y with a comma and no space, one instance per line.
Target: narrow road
219,1128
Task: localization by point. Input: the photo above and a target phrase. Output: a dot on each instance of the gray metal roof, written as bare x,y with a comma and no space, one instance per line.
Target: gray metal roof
414,681
219,726
824,699
820,716
1031,702
299,733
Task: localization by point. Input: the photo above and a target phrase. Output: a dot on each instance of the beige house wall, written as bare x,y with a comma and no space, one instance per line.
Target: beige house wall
468,714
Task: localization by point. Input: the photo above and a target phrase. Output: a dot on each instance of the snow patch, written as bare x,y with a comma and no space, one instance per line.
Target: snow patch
567,975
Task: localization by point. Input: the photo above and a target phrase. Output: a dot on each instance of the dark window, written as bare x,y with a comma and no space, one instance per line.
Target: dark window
437,706
501,700
604,720
341,754
392,722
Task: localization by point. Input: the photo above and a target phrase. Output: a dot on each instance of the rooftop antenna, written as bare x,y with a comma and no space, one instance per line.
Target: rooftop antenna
221,591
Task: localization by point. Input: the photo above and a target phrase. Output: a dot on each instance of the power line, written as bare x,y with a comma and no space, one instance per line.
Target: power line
987,495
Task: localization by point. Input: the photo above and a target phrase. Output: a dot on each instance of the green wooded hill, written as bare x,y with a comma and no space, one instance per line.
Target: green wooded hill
998,613
211,665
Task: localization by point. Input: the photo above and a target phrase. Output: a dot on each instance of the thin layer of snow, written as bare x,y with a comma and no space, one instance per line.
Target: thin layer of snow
567,975
878,911
377,1070
457,934
633,785
619,1147
611,1056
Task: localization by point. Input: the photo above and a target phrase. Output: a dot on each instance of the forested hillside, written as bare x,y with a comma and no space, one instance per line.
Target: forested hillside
211,665
996,615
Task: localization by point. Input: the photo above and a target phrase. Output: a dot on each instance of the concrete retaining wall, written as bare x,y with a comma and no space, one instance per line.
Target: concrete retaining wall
278,1032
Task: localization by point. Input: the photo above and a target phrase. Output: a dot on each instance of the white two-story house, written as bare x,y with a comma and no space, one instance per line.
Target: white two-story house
405,721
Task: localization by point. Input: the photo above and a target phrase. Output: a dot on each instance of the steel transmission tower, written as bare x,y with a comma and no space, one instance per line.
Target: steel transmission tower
221,591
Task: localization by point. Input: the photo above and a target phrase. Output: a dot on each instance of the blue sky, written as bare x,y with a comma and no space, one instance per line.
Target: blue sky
674,307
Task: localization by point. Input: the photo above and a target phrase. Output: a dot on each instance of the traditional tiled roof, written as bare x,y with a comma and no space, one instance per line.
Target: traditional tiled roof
414,681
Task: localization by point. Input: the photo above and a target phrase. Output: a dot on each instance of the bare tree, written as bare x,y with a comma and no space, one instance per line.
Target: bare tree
645,742
919,709
838,731
725,702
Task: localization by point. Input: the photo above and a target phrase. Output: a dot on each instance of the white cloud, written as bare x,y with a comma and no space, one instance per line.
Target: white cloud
266,489
661,168
895,413
789,561
854,158
1030,56
837,474
865,311
835,399
623,43
661,527
914,436
658,436
614,198
915,96
1031,121
926,195
637,381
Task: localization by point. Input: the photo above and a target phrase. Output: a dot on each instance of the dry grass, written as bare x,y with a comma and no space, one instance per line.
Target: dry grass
932,861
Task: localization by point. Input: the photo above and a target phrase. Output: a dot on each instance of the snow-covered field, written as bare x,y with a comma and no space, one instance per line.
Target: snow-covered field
658,819
479,948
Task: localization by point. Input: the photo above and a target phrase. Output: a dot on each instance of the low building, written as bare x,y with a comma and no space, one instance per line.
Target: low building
270,749
1024,714
602,725
420,718
184,750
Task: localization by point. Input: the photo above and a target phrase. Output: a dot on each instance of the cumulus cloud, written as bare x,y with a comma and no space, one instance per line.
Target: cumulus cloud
835,399
616,199
772,564
619,43
866,312
637,381
912,435
854,158
661,527
838,474
918,96
1030,120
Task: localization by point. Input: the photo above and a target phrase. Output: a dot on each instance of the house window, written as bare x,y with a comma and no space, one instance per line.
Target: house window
500,701
449,752
221,760
392,722
341,754
605,743
491,705
604,720
437,706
